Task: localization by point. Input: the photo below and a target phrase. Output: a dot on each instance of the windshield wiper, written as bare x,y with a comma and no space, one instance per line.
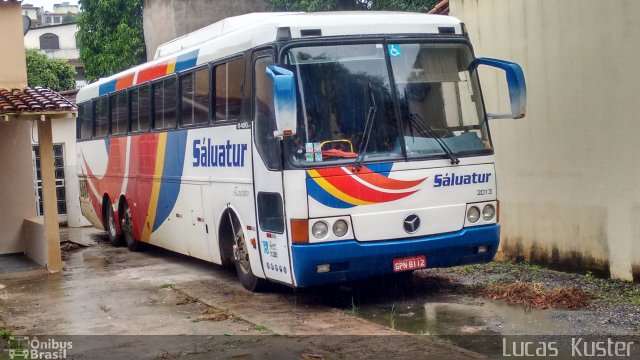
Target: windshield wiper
417,120
368,125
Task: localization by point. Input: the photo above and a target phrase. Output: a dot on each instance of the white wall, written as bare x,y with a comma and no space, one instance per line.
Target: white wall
66,34
64,132
567,172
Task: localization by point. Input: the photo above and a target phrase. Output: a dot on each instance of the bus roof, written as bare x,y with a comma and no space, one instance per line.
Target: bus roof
239,33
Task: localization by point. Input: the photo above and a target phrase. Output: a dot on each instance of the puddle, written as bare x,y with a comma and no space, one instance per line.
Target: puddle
457,319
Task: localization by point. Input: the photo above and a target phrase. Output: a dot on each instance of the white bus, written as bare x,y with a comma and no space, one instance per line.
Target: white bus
304,148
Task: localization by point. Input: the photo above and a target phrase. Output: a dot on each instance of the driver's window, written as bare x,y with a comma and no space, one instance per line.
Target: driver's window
264,118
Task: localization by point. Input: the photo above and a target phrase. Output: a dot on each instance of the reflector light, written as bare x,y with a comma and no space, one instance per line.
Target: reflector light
300,231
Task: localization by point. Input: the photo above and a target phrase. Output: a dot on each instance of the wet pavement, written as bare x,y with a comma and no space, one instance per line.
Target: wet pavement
111,291
106,290
17,263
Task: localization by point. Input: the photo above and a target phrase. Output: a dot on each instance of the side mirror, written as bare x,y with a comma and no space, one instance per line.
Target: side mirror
516,84
284,100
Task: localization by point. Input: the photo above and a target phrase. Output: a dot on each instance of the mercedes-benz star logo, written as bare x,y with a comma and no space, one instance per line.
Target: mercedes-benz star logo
411,223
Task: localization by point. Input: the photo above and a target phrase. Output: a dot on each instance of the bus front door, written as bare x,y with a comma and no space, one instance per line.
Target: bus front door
267,175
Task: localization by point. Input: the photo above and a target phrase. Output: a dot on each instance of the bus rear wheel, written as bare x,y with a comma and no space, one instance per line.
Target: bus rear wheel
127,229
243,266
114,238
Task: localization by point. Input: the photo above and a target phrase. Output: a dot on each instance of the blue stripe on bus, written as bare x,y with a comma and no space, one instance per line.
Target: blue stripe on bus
186,61
352,260
322,196
107,87
384,169
171,174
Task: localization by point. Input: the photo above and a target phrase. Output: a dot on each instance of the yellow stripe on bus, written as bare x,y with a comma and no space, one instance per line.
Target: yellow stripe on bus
171,66
155,190
323,183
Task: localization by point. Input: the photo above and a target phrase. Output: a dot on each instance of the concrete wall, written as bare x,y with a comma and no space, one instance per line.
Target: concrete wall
16,173
33,236
166,20
16,184
13,66
568,171
64,132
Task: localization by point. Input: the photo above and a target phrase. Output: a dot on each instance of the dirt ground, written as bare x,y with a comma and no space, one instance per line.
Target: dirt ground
110,291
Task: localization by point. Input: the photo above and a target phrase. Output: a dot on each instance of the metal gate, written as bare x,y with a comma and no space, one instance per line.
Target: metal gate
58,161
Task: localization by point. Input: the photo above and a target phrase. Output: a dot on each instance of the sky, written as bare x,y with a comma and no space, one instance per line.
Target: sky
48,4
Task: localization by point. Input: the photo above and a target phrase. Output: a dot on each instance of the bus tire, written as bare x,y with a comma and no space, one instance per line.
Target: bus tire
127,228
243,266
110,226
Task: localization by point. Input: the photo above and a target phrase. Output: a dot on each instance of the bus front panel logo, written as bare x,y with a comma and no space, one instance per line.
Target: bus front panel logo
411,223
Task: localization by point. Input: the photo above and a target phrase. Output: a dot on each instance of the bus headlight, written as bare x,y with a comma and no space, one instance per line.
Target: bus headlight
340,228
320,229
473,214
488,212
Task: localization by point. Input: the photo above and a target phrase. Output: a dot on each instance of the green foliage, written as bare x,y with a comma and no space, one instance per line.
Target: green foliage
353,309
110,36
329,5
57,75
69,18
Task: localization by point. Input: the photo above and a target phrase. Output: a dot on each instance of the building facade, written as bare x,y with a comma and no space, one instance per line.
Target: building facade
568,170
165,20
58,42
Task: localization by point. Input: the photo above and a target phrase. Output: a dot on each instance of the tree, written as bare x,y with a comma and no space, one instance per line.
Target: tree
110,36
329,5
69,18
55,74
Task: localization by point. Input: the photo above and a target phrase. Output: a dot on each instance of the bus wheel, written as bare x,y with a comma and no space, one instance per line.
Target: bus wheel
111,228
127,229
243,266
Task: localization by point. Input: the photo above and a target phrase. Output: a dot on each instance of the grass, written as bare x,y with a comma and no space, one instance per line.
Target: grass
259,327
167,286
391,316
104,308
353,308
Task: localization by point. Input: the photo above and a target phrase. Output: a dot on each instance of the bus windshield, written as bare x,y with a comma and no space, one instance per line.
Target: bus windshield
346,103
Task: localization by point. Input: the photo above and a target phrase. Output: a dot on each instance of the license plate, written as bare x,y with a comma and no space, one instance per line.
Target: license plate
409,263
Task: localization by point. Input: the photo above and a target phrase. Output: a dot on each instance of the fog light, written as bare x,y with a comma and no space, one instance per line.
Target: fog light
482,249
323,268
488,212
340,228
473,214
320,230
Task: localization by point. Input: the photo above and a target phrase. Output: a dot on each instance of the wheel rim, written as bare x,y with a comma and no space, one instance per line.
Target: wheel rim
127,225
112,225
243,255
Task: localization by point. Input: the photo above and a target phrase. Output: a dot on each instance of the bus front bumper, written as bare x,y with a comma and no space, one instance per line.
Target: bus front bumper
351,260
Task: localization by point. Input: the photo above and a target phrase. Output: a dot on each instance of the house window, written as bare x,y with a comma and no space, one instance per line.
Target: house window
56,20
49,41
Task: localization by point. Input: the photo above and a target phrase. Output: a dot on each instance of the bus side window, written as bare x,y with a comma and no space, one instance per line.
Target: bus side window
140,102
119,113
264,118
101,108
194,97
85,120
164,103
228,90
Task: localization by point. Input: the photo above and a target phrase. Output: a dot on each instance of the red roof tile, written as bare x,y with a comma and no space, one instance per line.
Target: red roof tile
441,8
36,100
75,62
